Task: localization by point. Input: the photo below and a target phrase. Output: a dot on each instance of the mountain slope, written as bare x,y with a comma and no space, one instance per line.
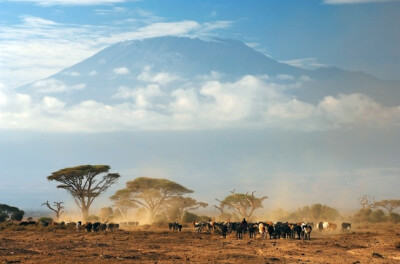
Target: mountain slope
173,62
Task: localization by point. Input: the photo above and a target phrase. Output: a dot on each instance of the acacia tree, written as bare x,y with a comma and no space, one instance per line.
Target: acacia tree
85,183
122,202
58,208
389,205
244,204
176,206
366,201
151,193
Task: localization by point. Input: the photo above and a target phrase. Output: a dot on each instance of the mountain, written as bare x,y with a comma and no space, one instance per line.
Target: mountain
172,62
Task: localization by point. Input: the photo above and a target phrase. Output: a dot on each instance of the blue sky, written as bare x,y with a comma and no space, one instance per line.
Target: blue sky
332,151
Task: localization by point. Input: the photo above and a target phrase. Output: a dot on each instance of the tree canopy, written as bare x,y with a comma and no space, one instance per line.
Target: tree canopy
243,204
85,183
177,206
315,212
10,212
389,205
150,193
57,208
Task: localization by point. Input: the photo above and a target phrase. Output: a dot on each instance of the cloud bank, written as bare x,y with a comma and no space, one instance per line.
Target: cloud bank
249,102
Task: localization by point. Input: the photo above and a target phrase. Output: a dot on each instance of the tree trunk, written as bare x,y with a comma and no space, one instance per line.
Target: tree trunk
85,212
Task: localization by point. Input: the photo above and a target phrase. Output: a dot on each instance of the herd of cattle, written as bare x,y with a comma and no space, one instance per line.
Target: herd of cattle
88,226
274,230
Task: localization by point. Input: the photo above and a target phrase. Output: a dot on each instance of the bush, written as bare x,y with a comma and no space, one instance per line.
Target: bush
315,212
3,217
395,218
93,218
378,216
160,220
191,217
368,215
106,214
17,215
13,212
45,219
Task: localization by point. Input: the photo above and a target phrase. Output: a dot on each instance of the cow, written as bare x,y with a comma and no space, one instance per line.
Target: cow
78,225
262,229
175,226
103,227
297,230
306,229
88,226
271,230
285,230
224,229
320,226
96,226
112,226
253,228
329,226
346,227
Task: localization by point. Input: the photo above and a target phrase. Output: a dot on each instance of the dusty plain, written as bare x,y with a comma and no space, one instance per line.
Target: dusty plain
36,244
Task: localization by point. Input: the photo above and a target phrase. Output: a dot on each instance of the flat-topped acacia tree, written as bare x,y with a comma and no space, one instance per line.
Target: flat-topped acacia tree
85,183
244,204
151,193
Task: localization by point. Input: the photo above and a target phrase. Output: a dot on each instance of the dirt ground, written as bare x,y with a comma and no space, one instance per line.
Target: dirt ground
54,245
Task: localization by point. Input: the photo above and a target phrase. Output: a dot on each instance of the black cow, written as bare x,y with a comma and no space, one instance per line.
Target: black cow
271,231
346,227
88,226
96,226
285,230
224,229
320,226
253,229
297,230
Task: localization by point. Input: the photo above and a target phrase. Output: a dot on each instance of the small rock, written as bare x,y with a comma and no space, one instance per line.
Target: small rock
377,255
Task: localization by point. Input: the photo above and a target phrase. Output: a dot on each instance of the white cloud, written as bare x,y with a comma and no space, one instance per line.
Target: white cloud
160,78
285,77
305,63
121,71
93,73
72,74
55,86
339,2
71,2
52,103
141,96
248,102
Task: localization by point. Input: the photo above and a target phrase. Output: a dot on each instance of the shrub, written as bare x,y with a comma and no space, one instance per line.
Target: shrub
17,215
3,217
45,219
395,218
191,217
368,215
92,218
377,216
106,214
